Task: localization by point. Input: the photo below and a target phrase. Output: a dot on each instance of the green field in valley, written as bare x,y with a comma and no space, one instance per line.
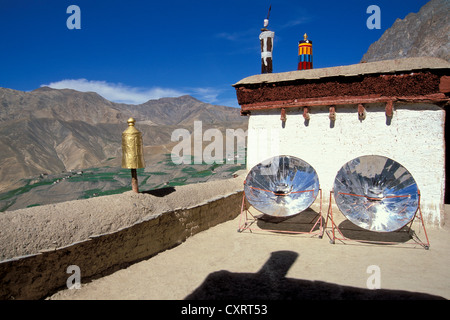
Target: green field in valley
95,182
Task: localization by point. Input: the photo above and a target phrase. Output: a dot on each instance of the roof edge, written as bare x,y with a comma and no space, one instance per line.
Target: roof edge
376,67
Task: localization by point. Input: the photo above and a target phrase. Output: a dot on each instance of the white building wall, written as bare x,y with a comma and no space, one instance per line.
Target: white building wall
414,138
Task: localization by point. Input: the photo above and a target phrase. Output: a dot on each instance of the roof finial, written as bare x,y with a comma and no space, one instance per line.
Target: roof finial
266,20
131,121
305,37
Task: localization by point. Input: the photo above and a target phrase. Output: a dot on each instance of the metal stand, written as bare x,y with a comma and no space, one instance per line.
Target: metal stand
247,220
336,234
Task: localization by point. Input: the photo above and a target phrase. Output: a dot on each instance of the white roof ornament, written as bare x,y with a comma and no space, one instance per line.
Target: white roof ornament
266,20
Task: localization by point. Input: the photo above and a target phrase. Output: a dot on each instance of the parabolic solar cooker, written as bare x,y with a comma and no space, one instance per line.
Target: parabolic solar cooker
281,186
376,193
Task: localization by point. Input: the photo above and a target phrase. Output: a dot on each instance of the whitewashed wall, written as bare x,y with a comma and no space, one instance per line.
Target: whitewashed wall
414,138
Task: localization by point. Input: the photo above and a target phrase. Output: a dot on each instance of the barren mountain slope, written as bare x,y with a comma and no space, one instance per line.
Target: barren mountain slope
49,130
425,33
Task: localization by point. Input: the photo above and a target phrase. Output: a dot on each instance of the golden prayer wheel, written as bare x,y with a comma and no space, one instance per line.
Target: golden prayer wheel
132,151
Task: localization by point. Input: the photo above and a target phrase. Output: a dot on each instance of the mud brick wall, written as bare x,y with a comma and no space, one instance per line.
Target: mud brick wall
414,137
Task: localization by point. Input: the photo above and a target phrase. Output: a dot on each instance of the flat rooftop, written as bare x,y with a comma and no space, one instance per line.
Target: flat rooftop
221,263
378,67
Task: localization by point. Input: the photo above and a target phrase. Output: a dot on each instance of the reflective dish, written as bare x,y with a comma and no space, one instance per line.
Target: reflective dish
376,193
281,186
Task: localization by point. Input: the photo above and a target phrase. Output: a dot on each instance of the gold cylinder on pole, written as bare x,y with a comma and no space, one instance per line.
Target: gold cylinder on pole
132,152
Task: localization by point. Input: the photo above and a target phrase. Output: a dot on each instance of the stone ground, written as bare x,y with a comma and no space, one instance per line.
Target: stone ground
221,263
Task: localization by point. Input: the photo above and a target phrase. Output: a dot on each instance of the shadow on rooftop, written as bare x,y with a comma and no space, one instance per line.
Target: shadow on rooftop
160,192
352,231
303,222
270,283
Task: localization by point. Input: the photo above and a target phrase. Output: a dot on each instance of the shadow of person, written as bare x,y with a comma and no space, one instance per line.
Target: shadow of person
270,283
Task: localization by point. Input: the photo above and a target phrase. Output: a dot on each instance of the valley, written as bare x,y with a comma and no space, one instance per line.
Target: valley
161,176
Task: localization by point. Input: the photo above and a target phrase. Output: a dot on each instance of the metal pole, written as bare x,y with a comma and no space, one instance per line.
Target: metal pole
134,181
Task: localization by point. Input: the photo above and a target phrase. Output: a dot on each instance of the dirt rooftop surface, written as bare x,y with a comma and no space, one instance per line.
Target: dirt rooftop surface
222,263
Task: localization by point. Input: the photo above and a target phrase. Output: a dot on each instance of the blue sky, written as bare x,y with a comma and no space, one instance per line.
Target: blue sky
135,50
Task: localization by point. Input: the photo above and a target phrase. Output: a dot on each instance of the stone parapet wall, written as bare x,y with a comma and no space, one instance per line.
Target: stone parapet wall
37,275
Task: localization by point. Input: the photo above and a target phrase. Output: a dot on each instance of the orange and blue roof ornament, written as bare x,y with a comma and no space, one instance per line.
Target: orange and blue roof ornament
305,57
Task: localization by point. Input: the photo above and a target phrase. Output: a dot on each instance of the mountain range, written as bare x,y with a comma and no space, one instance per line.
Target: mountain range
53,130
425,33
